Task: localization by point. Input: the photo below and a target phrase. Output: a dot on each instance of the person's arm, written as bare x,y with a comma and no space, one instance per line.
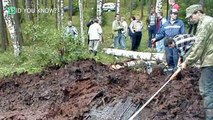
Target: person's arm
131,26
75,31
160,35
199,46
100,32
115,26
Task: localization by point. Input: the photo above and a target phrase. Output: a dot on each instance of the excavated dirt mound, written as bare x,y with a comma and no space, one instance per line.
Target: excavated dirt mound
80,89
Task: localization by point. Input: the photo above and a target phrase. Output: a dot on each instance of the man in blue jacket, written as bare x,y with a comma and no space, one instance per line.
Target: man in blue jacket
171,28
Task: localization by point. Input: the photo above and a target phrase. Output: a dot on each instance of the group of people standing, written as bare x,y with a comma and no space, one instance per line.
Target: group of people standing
121,30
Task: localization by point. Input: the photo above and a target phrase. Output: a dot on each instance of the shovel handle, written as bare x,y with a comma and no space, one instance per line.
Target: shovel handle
175,74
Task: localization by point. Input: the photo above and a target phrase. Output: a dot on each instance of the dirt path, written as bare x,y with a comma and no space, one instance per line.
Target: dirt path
82,89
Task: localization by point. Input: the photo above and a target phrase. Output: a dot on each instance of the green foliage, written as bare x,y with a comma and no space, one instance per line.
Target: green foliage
35,32
44,47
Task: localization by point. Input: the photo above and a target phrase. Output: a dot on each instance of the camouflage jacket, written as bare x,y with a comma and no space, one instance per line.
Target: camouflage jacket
203,48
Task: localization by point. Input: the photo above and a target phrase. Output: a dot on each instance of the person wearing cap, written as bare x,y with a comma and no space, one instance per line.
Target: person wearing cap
202,50
171,28
183,43
95,36
71,31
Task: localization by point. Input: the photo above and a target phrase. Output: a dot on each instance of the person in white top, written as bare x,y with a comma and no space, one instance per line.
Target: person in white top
136,28
125,26
95,36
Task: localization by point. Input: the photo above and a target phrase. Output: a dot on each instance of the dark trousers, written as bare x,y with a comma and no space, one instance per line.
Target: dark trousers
152,32
136,40
206,90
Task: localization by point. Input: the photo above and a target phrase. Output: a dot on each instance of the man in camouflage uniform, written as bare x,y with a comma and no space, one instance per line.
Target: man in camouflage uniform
202,50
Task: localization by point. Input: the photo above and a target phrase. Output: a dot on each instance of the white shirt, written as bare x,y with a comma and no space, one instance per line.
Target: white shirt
125,26
95,32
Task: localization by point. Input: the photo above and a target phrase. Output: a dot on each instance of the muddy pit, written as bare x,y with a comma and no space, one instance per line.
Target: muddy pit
86,90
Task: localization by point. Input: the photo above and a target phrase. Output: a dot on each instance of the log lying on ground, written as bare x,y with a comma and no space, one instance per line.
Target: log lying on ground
135,55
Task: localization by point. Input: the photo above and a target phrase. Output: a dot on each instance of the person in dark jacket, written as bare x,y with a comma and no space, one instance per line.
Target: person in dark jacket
171,28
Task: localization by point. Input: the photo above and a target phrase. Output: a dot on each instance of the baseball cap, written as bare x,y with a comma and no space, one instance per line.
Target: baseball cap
193,8
174,11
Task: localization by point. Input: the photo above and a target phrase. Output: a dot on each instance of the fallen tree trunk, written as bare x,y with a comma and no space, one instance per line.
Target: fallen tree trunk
136,55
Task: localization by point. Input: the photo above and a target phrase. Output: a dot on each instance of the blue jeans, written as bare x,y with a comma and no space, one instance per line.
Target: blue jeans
120,39
152,32
206,90
160,46
172,57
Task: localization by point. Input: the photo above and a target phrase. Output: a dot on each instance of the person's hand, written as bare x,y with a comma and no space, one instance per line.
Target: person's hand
183,65
153,40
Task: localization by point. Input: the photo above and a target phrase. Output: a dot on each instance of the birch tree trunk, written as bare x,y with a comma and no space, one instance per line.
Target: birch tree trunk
62,13
70,8
159,6
37,8
117,6
2,29
9,19
59,15
80,2
99,10
56,13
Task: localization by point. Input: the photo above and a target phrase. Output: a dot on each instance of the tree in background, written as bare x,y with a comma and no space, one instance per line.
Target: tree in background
58,15
12,28
37,6
18,25
70,8
99,10
62,13
81,2
117,6
159,6
2,29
